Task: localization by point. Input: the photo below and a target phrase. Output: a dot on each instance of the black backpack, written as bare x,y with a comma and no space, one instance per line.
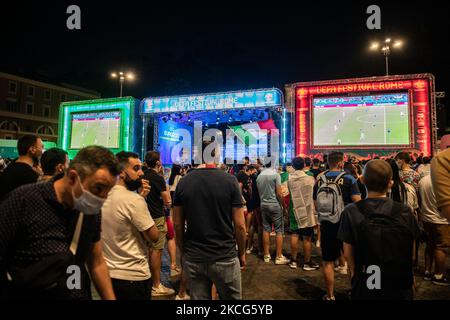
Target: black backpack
387,242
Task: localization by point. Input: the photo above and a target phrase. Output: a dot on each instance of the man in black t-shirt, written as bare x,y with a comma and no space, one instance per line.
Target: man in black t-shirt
22,171
245,182
209,202
377,178
157,199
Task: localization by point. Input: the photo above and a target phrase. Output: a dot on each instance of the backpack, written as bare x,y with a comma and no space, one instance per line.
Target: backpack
384,241
329,200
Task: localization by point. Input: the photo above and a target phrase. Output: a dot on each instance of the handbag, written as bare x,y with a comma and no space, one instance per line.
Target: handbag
49,272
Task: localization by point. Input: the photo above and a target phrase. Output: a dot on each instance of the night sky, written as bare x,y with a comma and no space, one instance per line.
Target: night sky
181,48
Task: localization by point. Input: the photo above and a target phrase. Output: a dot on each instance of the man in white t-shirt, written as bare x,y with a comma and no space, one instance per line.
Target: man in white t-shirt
127,228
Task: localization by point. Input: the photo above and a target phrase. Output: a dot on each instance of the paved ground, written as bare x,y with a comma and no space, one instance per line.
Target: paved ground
272,282
267,281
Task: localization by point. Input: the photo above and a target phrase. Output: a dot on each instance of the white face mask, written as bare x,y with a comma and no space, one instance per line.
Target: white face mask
87,203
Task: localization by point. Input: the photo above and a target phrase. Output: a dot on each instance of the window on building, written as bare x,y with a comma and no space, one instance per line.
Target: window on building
63,97
28,128
46,111
30,91
45,130
48,95
30,108
9,125
12,87
11,105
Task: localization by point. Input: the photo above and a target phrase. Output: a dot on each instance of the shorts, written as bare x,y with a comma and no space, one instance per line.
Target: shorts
272,214
161,225
438,234
170,231
331,246
304,232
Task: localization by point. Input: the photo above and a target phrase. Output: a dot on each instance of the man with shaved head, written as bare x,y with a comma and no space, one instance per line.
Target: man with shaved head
378,235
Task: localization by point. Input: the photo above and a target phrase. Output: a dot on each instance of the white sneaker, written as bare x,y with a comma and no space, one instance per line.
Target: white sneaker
311,266
282,260
318,244
174,273
293,265
267,258
342,270
249,250
185,297
162,291
326,298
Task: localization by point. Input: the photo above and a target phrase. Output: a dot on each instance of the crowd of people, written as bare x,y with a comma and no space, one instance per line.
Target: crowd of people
108,218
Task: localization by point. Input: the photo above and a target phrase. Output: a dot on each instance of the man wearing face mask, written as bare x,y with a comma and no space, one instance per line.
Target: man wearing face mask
54,162
50,232
22,171
127,228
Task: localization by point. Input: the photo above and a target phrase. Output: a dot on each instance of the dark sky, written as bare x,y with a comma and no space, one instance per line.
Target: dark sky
192,47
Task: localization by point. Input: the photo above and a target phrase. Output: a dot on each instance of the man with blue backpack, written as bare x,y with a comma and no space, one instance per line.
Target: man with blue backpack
333,190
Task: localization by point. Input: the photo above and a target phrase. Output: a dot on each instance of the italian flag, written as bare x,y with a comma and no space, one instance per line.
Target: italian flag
247,132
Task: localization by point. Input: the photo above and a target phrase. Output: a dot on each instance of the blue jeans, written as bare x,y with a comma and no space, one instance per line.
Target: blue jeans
272,213
226,276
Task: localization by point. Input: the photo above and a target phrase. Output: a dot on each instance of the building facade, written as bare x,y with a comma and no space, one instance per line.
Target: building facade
32,107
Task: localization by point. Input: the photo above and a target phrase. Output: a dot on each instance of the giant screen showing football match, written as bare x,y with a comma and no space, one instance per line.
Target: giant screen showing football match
349,121
95,128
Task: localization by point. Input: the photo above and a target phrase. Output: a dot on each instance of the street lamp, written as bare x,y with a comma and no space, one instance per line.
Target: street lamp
386,49
122,76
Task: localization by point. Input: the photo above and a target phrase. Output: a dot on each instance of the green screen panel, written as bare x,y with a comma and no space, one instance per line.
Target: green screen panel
105,122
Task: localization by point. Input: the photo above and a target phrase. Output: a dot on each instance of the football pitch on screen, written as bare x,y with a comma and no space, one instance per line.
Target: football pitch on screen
353,126
101,132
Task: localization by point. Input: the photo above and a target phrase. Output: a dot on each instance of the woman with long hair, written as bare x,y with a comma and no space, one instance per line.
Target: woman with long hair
352,170
399,189
405,193
174,178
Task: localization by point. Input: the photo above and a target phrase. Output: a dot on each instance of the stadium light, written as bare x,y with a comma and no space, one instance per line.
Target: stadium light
386,49
122,76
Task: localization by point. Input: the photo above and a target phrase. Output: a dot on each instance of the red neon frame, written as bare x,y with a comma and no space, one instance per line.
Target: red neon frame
422,111
372,146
